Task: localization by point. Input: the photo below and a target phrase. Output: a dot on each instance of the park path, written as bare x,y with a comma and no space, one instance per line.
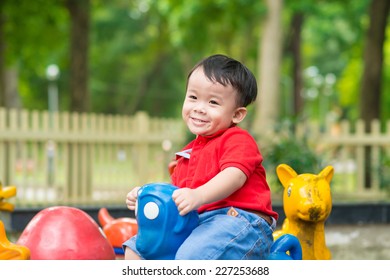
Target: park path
358,242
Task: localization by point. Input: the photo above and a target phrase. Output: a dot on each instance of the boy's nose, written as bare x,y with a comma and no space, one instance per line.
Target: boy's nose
199,108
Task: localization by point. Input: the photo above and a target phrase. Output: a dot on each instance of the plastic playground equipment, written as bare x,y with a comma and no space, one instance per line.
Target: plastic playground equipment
287,247
70,233
117,230
65,233
8,250
161,229
5,193
55,233
307,203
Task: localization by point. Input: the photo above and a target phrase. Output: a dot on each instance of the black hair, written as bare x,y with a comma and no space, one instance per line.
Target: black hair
225,70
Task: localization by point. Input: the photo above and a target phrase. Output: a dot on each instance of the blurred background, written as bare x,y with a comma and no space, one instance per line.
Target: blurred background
91,94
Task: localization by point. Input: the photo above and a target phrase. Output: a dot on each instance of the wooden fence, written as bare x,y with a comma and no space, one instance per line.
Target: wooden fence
88,159
361,159
83,159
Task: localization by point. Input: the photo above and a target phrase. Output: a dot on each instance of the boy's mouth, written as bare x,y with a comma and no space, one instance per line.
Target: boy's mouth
198,121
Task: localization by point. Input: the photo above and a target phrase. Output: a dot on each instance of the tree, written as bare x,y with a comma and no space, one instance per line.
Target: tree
79,11
9,96
31,38
370,92
270,55
295,48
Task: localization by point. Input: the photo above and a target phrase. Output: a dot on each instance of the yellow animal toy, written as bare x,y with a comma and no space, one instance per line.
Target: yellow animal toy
6,193
307,203
8,250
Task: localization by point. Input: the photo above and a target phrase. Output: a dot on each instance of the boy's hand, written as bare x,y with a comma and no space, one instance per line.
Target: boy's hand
187,200
131,198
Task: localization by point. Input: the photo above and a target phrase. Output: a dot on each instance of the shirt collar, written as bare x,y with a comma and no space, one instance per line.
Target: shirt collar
209,137
199,139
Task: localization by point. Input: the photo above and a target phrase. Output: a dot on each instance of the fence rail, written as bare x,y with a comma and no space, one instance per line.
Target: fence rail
88,159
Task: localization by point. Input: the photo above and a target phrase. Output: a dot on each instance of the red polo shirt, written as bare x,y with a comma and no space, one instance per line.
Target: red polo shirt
208,155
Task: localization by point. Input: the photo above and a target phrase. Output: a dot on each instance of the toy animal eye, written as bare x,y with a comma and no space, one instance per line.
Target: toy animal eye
289,191
151,210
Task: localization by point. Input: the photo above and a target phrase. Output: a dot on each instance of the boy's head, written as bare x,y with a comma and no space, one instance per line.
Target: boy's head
218,90
228,71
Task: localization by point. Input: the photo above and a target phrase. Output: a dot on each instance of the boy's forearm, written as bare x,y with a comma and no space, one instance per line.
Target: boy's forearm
222,185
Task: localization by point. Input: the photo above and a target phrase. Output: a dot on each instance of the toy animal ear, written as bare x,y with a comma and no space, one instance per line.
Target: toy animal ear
285,173
327,173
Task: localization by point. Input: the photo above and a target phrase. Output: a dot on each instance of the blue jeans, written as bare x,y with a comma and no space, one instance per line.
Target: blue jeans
223,237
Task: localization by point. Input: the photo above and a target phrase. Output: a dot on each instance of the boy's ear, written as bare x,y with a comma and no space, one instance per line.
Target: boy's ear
239,115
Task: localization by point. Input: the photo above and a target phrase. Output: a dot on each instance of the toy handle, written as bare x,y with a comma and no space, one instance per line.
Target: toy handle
286,243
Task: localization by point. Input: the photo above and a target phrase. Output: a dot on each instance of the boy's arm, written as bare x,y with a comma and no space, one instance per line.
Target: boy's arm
221,186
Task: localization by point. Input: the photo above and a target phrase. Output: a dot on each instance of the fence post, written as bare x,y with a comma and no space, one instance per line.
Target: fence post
375,157
142,129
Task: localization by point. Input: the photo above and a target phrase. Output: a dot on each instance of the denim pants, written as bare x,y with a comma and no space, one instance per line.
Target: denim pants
220,236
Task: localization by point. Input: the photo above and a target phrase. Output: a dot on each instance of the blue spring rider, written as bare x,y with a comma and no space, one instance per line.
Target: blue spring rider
161,230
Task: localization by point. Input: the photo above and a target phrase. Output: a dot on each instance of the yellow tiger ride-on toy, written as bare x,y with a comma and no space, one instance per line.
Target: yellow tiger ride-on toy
8,250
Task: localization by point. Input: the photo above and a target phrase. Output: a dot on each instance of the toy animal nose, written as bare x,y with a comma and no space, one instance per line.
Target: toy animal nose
315,212
314,209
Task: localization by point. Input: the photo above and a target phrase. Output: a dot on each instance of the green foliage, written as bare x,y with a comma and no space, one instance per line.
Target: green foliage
141,50
384,172
202,26
348,88
293,152
333,40
35,35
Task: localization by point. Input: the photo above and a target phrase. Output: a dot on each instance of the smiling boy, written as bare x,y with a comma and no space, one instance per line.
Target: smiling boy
220,172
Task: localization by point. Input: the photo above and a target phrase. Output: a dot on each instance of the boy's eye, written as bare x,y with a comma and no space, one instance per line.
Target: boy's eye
192,97
214,102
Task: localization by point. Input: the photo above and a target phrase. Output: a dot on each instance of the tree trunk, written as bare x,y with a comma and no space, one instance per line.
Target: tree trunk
296,30
267,104
370,93
12,96
79,44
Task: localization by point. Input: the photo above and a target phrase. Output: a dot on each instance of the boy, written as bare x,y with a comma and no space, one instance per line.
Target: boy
220,173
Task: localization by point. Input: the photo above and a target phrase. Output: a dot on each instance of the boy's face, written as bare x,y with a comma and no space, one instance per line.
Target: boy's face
209,106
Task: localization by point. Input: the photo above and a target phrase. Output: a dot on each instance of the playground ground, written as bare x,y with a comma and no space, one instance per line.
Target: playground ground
351,242
365,239
358,242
